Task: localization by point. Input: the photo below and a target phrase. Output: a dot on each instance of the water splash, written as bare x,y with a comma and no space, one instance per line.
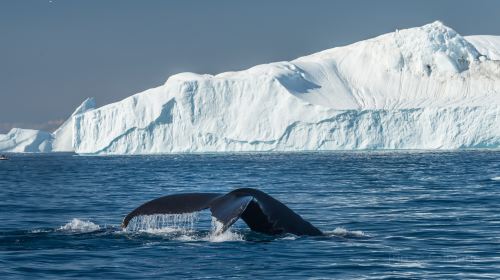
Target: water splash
496,178
217,226
289,237
77,225
342,232
181,227
163,223
216,234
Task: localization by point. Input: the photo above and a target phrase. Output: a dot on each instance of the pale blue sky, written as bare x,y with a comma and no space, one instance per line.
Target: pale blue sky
54,54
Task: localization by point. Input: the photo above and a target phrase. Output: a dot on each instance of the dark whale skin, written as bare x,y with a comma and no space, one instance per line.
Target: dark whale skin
260,211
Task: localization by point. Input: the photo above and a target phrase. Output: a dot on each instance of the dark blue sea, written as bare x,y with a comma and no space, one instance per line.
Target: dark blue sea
386,215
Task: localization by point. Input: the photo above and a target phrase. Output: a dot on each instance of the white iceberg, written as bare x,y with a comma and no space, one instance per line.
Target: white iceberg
487,45
19,140
419,88
63,136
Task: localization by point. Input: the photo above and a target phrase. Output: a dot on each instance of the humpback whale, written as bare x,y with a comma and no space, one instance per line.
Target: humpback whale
261,212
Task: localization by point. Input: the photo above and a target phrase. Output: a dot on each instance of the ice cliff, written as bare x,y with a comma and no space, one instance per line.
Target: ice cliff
19,140
419,88
487,45
63,136
37,141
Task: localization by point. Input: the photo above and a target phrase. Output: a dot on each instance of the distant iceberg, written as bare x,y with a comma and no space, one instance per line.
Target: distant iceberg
420,88
63,136
20,140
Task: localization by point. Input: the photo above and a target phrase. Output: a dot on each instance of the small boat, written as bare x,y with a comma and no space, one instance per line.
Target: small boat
3,157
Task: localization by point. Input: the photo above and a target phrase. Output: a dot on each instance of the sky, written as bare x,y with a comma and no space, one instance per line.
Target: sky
56,53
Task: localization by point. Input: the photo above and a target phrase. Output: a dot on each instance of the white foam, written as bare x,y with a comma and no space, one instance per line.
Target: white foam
409,264
40,230
77,225
290,237
342,232
186,238
496,178
216,234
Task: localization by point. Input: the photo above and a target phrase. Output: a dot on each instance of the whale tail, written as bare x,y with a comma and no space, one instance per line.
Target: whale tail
261,212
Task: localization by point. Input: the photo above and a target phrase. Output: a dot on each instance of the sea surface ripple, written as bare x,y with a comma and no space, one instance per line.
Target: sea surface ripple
430,215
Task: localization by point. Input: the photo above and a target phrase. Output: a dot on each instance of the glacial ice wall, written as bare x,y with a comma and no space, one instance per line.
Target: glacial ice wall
63,136
487,45
419,88
19,140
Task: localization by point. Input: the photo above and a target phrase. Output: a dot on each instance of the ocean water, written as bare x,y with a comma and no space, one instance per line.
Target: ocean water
385,215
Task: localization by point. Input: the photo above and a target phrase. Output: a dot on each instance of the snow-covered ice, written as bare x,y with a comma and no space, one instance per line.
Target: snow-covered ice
20,140
487,45
419,88
63,136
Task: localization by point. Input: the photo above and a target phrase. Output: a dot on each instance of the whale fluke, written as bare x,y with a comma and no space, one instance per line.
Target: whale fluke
261,212
173,204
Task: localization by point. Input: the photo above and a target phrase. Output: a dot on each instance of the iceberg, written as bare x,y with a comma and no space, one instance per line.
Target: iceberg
63,136
420,88
19,140
487,45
